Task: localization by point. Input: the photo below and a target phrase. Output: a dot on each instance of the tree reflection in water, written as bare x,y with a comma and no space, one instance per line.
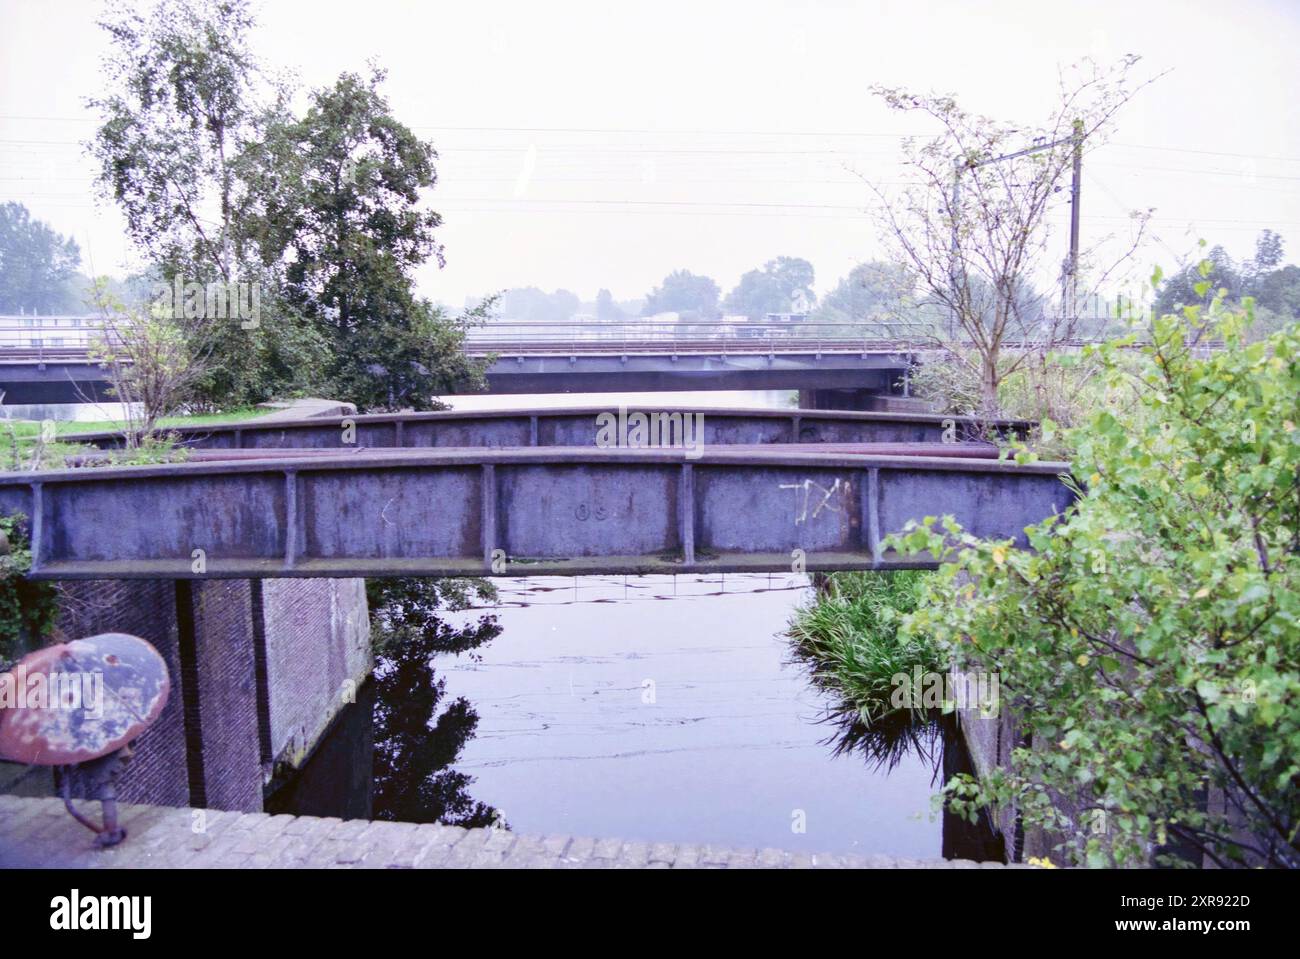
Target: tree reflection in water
418,736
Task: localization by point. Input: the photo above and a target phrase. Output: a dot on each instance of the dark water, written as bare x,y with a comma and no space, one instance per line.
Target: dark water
655,708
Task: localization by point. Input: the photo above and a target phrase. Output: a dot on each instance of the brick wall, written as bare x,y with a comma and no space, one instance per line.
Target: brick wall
258,671
145,608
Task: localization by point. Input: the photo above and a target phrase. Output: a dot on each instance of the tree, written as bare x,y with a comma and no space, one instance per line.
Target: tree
795,276
607,311
184,112
972,223
684,292
337,213
532,305
1274,288
36,263
1279,292
221,184
1179,290
1149,641
150,369
780,286
182,104
873,293
1268,252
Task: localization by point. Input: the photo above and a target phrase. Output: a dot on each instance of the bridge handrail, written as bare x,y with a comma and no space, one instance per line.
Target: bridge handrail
636,336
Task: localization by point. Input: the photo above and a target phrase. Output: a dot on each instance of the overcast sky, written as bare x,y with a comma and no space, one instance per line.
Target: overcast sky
588,145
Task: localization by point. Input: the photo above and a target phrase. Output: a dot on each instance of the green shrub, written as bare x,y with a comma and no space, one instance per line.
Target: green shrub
1150,642
27,609
849,637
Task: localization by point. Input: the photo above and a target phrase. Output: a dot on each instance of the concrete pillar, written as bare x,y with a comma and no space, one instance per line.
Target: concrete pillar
318,656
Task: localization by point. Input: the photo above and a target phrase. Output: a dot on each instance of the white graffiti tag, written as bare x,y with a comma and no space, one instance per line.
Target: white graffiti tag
806,498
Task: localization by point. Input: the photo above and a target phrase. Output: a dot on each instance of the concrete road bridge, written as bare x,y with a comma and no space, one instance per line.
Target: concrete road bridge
650,356
833,365
576,358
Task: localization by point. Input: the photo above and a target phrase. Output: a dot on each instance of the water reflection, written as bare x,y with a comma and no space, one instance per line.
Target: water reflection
419,731
391,754
898,737
934,740
887,741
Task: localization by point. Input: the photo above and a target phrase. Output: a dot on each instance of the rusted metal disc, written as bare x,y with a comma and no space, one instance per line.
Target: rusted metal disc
81,700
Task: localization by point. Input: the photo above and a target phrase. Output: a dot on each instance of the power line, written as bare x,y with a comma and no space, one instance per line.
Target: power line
723,151
1216,153
597,131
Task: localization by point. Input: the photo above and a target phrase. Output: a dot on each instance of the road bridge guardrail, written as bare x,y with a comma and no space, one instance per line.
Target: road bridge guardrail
510,338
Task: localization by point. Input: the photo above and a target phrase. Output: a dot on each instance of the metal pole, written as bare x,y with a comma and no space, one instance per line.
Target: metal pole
1070,293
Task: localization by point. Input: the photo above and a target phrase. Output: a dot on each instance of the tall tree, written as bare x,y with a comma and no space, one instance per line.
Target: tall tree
337,212
184,102
1274,288
1268,251
607,311
537,306
1217,270
220,182
36,263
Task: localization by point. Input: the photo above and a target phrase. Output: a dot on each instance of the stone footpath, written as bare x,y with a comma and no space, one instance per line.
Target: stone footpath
40,833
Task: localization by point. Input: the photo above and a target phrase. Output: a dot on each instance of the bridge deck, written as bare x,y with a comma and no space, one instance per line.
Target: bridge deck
60,374
513,512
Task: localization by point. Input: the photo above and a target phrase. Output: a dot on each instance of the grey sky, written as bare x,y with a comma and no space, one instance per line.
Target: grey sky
605,144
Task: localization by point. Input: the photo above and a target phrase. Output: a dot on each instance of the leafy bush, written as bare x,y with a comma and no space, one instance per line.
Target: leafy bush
1062,389
1150,642
27,609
